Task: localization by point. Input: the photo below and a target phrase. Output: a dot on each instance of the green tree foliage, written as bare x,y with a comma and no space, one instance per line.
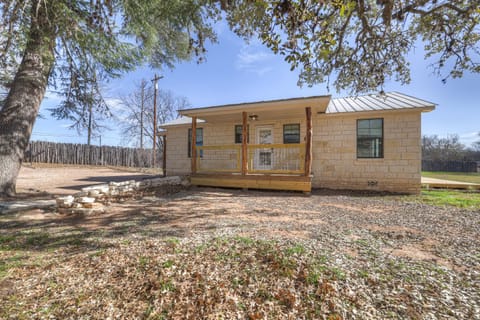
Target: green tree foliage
362,44
68,44
103,38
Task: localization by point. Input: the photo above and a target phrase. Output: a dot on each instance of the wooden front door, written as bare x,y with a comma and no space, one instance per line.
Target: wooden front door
264,156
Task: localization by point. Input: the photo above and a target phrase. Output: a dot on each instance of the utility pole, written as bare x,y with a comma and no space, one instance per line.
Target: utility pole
155,88
142,110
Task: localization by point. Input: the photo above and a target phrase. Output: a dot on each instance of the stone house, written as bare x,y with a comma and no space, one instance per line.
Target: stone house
370,142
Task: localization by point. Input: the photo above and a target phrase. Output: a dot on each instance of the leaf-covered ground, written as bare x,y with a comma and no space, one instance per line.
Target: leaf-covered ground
224,254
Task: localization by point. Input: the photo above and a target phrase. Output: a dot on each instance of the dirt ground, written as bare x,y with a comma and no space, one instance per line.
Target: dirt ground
390,257
65,179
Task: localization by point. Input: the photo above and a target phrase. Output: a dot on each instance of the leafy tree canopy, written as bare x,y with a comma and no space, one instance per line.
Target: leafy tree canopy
98,39
359,44
363,43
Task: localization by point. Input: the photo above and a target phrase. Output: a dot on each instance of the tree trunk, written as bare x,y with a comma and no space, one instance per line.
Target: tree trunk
90,115
24,98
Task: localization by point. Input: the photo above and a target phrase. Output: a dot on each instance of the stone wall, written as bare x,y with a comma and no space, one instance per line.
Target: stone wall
93,199
335,164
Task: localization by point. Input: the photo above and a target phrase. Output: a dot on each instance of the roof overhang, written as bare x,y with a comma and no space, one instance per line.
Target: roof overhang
264,110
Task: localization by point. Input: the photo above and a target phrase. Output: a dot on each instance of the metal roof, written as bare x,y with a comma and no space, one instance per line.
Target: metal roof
372,102
377,102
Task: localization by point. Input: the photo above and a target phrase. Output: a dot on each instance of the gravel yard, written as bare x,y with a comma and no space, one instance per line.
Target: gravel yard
231,254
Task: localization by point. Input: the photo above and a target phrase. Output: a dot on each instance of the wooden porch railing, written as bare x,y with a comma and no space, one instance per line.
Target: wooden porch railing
261,159
223,158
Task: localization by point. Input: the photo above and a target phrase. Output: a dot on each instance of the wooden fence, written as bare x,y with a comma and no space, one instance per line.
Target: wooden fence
449,166
82,154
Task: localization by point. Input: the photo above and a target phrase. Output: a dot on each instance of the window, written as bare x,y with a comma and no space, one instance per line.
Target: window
291,133
370,138
238,133
199,140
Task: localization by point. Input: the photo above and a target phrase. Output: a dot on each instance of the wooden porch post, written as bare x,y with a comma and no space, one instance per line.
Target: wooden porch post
308,143
164,163
244,143
194,145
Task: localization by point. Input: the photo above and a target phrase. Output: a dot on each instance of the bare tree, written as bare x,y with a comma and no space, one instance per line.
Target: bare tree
137,122
449,148
134,122
476,144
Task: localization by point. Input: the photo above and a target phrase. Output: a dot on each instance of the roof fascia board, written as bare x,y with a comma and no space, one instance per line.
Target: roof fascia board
257,106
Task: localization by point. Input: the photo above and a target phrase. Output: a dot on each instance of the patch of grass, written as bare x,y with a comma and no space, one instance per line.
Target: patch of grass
296,249
472,177
244,240
10,263
143,261
461,199
168,264
167,286
172,242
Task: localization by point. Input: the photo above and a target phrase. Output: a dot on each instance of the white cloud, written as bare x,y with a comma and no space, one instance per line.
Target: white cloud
469,137
254,58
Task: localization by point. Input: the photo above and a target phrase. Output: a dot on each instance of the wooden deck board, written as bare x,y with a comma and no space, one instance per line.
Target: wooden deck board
270,182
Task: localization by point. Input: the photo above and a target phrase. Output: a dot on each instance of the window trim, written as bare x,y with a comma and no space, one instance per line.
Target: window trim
189,142
382,149
235,133
299,132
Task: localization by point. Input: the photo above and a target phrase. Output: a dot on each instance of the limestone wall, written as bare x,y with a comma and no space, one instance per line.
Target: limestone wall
335,164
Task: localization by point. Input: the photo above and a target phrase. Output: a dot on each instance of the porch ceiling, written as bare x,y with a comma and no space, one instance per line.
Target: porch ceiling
265,110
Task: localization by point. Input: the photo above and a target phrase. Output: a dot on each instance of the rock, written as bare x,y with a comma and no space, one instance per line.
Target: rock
86,200
94,205
94,193
102,188
65,202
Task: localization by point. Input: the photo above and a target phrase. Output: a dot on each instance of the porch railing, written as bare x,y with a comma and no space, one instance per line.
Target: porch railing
261,158
223,158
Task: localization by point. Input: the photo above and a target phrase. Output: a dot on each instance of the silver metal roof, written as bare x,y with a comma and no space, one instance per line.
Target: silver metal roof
377,102
371,102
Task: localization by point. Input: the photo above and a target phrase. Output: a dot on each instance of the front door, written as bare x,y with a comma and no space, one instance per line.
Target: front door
264,156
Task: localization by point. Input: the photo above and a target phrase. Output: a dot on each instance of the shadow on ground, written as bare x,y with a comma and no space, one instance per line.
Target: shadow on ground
106,179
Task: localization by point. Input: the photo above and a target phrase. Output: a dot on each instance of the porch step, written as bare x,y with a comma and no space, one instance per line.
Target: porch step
269,182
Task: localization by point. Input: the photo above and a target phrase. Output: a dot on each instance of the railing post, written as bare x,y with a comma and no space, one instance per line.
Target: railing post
244,143
194,145
308,143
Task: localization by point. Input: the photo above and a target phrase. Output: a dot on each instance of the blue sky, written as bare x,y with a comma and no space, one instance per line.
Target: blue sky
239,72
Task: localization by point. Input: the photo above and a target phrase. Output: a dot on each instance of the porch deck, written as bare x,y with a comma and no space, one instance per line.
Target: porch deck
254,181
264,165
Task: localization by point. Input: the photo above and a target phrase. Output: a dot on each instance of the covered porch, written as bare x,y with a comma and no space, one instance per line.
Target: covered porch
262,163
